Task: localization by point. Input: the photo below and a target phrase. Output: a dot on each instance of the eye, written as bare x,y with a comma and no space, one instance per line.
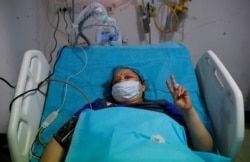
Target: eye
128,77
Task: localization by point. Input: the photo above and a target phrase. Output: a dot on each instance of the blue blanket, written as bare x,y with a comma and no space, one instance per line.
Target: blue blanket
129,134
155,62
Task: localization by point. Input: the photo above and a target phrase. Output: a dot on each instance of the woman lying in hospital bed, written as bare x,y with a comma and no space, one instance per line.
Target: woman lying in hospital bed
128,88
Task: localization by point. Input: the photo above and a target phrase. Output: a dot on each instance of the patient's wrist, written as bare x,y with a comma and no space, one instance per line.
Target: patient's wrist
189,112
65,133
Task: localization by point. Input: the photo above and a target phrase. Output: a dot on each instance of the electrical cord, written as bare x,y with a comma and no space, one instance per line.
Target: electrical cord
40,84
66,23
7,82
54,37
51,24
41,129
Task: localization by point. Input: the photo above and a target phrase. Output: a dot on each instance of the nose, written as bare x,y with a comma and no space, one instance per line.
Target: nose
122,78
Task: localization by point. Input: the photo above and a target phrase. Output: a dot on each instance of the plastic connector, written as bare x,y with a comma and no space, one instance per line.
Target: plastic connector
181,8
50,119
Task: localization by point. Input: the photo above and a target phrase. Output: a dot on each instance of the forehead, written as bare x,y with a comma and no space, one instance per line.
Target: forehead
125,71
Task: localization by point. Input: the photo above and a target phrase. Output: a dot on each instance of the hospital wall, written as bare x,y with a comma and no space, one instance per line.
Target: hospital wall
218,25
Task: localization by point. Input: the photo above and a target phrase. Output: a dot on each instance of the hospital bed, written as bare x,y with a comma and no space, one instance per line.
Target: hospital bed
80,75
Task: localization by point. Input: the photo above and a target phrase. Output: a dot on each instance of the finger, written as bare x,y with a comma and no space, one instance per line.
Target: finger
180,91
175,85
169,87
183,92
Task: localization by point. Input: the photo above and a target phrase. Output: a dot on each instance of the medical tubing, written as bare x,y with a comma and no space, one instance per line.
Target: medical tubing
80,29
89,7
85,38
92,8
174,28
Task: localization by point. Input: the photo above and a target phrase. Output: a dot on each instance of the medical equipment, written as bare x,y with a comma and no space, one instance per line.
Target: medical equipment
210,80
107,33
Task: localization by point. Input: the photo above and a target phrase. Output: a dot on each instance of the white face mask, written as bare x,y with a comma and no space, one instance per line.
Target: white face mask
126,90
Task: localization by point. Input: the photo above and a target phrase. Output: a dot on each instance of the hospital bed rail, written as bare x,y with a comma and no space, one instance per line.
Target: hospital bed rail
27,110
224,101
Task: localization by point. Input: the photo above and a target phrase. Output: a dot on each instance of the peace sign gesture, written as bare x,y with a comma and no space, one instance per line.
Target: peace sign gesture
180,95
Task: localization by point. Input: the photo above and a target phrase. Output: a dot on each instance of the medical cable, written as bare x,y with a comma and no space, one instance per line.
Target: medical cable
74,75
84,38
55,113
54,37
7,82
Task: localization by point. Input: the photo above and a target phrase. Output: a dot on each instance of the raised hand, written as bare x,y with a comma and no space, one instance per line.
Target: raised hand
180,95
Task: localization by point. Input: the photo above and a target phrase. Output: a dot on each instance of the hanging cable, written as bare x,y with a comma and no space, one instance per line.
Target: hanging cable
40,84
51,24
72,76
66,23
7,82
54,36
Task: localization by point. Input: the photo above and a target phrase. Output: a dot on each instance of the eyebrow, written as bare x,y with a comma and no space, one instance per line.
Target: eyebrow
127,73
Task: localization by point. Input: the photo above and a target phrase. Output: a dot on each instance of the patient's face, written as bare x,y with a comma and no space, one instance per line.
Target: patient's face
125,75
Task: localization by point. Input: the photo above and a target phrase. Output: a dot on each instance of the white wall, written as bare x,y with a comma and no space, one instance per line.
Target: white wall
218,25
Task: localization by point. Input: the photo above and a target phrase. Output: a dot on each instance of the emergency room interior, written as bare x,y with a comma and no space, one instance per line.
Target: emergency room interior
48,25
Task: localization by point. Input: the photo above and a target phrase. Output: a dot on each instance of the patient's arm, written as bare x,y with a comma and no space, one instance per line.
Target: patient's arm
200,138
53,152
